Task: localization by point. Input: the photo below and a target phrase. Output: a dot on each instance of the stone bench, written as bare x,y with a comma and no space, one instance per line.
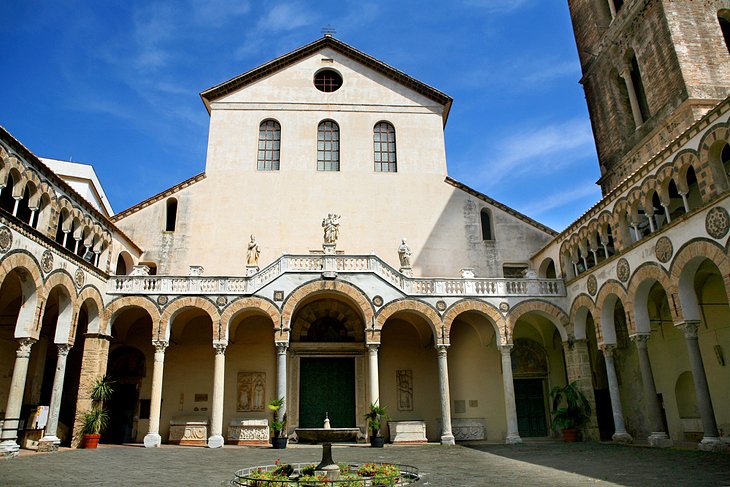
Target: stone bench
407,432
188,430
248,432
465,429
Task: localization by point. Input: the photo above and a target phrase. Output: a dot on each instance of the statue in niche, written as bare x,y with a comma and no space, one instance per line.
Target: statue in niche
252,252
404,254
251,391
331,226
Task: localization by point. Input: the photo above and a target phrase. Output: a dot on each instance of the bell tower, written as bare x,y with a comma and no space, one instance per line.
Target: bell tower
651,68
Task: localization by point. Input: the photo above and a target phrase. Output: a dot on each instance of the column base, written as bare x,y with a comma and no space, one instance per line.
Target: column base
622,437
152,440
216,441
659,439
49,444
712,443
9,449
448,439
513,440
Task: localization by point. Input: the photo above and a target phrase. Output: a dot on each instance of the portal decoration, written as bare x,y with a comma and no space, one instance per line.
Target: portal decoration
404,379
251,391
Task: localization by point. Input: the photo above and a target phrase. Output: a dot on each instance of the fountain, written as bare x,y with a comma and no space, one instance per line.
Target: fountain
327,434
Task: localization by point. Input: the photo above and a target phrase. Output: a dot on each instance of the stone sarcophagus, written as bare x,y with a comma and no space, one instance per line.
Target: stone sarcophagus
188,430
465,429
248,432
407,432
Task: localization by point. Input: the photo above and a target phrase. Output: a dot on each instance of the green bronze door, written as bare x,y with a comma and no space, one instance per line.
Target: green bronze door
530,402
326,385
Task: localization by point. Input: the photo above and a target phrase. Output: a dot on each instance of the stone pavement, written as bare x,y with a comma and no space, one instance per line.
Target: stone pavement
544,463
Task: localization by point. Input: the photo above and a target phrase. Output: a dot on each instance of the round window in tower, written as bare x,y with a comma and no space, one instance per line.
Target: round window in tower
327,80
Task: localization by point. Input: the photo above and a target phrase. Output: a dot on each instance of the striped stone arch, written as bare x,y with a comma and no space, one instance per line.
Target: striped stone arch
62,278
580,307
648,187
638,288
29,318
682,162
66,322
620,208
257,305
113,309
710,164
610,292
664,176
18,181
353,294
484,309
684,266
556,315
181,303
89,293
634,199
420,308
22,260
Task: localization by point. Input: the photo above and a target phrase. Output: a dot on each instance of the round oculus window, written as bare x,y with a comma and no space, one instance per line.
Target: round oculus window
327,80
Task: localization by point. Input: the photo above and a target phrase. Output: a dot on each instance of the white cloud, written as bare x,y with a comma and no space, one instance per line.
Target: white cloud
285,17
497,6
561,198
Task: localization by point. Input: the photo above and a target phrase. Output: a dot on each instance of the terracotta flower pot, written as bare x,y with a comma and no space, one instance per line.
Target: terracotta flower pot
570,435
90,441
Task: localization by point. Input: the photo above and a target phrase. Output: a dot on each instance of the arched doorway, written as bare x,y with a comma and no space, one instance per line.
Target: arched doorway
126,369
530,371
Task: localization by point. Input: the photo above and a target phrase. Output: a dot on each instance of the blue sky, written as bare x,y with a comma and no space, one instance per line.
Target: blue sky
115,84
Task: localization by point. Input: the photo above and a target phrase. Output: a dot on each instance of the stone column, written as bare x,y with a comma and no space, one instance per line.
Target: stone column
633,100
447,438
153,439
711,437
513,433
373,367
9,445
216,439
620,434
685,202
281,348
612,8
50,440
666,213
658,436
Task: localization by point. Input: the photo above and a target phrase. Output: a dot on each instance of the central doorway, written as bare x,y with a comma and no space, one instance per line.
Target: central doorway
530,403
327,385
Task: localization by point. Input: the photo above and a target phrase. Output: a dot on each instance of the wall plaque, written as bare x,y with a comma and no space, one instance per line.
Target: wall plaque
251,391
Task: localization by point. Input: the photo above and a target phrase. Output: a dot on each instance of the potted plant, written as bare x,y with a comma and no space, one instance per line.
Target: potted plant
375,416
278,425
96,420
571,410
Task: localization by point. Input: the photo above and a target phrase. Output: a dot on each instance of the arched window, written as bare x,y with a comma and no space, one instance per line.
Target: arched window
487,233
724,17
171,215
639,89
269,142
7,202
328,146
384,147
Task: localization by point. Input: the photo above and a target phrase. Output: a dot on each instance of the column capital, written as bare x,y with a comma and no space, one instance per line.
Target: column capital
640,339
689,327
63,348
373,347
282,347
160,345
442,349
220,347
608,349
506,348
24,348
625,71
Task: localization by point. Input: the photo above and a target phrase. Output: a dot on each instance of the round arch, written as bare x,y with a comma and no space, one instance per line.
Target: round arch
579,310
548,310
60,279
638,291
609,294
420,308
353,295
254,304
33,291
118,305
178,305
90,294
488,311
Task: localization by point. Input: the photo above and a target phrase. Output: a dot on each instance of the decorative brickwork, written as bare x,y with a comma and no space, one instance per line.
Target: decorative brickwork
342,288
429,314
556,315
252,305
118,305
581,306
701,249
174,307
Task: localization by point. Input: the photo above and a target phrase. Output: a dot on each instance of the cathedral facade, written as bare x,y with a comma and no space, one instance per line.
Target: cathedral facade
325,257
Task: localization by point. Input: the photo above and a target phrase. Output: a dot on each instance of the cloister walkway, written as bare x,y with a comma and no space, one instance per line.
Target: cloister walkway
477,465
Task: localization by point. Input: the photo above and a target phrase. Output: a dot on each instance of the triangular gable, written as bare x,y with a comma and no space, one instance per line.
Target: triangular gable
327,41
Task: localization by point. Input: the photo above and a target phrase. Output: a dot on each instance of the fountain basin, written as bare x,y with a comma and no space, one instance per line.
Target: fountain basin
327,435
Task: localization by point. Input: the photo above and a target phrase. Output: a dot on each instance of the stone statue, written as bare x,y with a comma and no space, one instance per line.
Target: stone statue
253,252
404,253
331,226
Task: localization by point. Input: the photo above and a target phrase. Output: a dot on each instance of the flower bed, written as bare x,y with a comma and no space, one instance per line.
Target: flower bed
303,474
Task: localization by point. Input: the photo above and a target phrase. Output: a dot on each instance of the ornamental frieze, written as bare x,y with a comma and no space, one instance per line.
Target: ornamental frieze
592,285
717,222
663,250
6,239
623,270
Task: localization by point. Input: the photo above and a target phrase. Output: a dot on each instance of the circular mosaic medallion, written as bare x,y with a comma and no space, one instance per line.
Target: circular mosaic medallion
6,239
717,222
162,300
47,261
663,249
623,270
221,301
592,285
79,277
378,300
441,305
504,306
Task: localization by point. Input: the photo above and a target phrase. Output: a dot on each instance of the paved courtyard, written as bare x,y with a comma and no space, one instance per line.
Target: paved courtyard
477,465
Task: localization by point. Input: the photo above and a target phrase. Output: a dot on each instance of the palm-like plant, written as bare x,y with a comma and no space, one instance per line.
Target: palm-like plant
96,420
375,416
278,425
571,409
